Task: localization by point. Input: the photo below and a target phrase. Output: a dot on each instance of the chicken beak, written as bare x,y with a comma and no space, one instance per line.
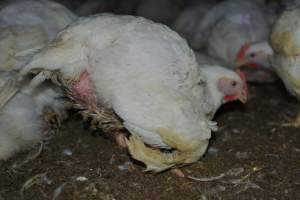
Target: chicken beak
242,97
241,62
243,94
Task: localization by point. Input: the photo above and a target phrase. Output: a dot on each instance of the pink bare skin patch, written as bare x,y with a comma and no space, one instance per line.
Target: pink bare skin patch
82,90
234,93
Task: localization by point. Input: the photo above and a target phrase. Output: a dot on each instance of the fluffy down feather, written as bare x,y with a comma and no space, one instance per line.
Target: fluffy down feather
20,125
23,120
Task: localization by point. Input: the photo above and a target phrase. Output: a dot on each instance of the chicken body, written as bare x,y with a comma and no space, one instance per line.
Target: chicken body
285,41
142,71
155,78
26,26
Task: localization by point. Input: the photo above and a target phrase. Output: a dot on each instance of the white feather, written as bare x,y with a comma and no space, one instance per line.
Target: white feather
21,120
236,23
20,125
26,26
214,97
285,40
143,70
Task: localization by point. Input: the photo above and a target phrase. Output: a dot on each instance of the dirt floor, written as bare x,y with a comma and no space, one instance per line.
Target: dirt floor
251,157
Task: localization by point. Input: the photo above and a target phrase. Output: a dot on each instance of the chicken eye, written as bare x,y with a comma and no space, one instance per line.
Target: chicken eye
252,55
234,83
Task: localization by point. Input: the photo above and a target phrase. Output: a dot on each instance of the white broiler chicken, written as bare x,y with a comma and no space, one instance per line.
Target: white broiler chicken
220,83
285,40
26,26
145,74
233,31
29,117
286,44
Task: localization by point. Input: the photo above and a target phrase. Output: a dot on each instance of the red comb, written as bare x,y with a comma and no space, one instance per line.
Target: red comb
229,97
242,51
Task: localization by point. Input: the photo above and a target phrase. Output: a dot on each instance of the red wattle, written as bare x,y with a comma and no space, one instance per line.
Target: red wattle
229,98
253,65
242,51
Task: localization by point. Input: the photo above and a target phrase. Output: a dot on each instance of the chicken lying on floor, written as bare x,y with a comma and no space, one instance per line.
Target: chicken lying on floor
26,26
128,71
29,117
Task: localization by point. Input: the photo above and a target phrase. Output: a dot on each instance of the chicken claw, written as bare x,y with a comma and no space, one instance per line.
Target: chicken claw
177,172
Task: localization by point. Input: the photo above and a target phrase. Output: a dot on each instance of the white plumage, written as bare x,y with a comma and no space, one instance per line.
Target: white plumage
26,26
23,120
285,40
213,71
145,73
